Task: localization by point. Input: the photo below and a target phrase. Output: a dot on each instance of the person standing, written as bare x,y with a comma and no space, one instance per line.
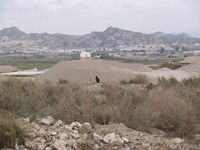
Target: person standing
97,79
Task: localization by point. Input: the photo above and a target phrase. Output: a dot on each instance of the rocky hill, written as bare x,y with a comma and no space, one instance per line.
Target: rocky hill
110,38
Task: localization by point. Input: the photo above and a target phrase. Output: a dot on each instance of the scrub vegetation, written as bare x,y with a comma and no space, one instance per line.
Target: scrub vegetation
169,105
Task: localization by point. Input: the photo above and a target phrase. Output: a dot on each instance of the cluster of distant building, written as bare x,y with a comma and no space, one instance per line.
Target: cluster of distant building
128,52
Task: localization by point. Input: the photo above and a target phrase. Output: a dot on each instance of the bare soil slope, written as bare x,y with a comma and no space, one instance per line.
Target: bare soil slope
191,60
4,68
194,67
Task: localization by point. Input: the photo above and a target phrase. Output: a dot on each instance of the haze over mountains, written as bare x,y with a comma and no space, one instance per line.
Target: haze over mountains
110,38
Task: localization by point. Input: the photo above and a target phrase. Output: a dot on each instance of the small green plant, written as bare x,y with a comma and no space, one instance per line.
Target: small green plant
9,132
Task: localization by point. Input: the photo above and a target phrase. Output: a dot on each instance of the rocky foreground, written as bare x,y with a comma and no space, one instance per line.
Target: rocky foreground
48,134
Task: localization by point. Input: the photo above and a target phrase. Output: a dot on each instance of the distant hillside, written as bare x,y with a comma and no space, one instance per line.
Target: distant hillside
111,38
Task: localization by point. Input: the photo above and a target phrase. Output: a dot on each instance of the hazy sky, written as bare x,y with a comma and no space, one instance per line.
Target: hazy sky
84,16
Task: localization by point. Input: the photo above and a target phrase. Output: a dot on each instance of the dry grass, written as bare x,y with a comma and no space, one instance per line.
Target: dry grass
171,111
10,131
170,105
138,79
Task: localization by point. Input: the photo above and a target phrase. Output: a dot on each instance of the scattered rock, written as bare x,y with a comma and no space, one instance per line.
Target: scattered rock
71,142
47,121
31,136
85,128
75,135
85,136
63,136
54,133
58,123
97,137
29,145
35,126
96,147
125,140
68,128
177,140
75,125
107,139
116,141
48,148
41,133
75,146
78,136
41,147
60,145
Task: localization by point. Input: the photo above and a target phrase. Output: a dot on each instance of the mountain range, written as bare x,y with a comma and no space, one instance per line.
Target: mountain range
110,38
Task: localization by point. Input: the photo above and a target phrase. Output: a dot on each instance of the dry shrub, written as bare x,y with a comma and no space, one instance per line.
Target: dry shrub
167,83
171,65
192,82
21,97
139,79
170,111
121,104
123,82
63,81
10,131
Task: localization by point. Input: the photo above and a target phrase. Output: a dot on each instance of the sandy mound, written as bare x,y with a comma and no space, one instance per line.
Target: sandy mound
191,60
83,71
178,74
7,69
194,67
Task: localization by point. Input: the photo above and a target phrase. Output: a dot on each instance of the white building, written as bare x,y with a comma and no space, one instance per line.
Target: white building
85,56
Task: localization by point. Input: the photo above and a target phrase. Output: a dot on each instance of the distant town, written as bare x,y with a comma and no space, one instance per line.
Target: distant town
112,43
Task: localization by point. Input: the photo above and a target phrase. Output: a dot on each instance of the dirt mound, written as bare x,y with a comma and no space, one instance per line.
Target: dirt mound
4,69
194,67
178,74
84,71
191,60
